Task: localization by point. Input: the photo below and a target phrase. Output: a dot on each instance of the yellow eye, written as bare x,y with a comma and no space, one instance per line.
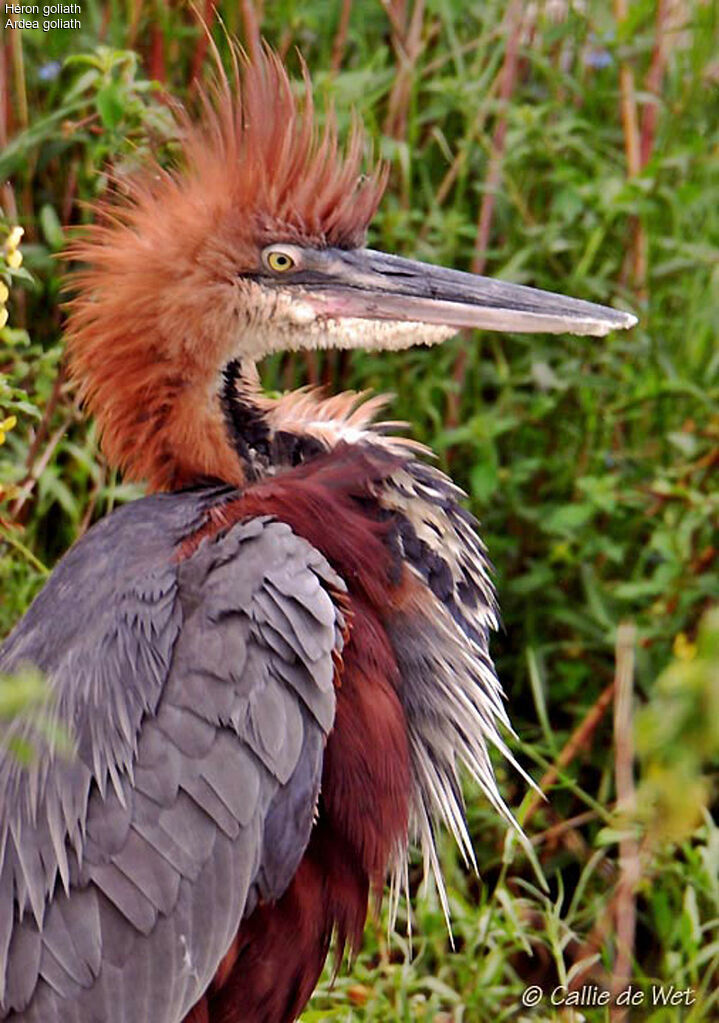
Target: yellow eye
279,261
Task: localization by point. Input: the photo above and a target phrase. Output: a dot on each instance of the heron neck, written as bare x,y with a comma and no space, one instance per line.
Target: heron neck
273,434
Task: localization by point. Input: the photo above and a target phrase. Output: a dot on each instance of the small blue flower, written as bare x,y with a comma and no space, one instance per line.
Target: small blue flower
598,59
49,72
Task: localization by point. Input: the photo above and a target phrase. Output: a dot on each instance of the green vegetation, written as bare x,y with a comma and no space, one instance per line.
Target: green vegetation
592,464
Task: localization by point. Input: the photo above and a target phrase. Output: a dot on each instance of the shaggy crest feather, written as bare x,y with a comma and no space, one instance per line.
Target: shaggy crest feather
284,173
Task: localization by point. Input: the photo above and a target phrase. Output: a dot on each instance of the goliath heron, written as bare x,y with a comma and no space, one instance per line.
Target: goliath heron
270,668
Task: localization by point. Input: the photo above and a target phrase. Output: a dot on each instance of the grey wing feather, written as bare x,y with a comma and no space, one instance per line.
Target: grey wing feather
198,695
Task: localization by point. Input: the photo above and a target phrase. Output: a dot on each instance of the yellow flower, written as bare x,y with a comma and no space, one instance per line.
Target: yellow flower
9,493
4,293
5,426
13,239
683,649
3,316
14,259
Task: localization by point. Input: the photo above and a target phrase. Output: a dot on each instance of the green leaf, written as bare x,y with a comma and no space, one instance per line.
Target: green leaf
568,518
51,227
110,105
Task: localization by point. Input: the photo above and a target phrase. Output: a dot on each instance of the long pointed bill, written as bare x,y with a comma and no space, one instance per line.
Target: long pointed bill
365,284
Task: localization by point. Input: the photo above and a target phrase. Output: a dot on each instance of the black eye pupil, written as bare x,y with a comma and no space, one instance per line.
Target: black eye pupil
279,261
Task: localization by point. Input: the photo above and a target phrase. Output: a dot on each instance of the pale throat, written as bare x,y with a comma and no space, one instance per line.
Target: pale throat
269,434
224,426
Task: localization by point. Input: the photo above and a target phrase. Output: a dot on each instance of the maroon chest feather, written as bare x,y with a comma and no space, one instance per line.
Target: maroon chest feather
274,962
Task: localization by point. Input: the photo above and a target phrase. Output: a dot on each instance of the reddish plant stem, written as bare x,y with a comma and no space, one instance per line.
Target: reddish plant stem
133,24
156,61
39,468
203,41
556,831
628,101
578,741
625,909
18,64
653,84
512,31
7,195
499,138
407,45
460,159
340,40
92,502
40,435
632,148
5,108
